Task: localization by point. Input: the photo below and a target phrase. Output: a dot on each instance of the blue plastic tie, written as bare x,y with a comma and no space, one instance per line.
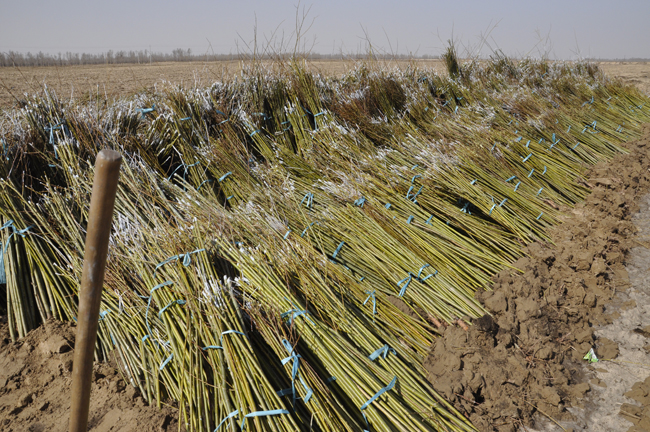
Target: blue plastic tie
410,219
372,296
261,114
103,314
205,348
262,414
172,303
415,166
567,131
408,192
473,182
228,417
493,147
383,352
287,234
144,111
320,114
519,138
413,198
255,132
221,340
223,177
574,147
420,278
310,225
309,197
185,119
360,202
295,313
492,208
527,144
503,202
511,178
544,172
167,360
295,358
15,231
540,191
187,260
531,172
388,205
229,332
202,183
406,281
465,208
379,393
527,157
338,249
150,297
414,177
517,186
429,220
540,215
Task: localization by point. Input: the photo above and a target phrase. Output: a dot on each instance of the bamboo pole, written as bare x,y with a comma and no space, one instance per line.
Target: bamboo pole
107,168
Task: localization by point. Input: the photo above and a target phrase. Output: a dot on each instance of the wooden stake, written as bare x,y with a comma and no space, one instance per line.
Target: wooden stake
102,201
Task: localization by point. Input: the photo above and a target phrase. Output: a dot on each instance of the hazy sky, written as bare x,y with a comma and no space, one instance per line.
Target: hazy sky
564,29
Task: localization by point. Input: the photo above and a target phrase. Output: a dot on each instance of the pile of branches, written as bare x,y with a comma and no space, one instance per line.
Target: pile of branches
286,246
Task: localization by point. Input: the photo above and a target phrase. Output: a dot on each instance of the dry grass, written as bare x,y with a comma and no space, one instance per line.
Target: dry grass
116,81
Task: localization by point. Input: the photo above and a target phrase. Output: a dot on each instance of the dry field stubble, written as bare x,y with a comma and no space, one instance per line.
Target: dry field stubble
114,81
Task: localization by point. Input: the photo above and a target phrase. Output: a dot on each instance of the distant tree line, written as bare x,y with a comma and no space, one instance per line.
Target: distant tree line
12,58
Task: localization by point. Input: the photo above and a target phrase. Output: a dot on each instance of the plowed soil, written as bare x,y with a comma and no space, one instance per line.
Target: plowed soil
35,382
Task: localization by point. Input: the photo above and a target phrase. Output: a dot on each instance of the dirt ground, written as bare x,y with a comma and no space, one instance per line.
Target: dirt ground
35,381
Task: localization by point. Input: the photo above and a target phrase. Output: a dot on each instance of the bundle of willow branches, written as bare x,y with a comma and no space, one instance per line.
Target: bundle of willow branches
286,245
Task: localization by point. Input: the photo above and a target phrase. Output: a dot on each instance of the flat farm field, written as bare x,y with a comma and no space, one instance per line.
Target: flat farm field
114,81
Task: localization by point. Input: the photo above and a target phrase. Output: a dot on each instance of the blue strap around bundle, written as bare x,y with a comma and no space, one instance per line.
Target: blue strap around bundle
187,260
383,352
372,296
228,417
15,231
262,414
360,202
406,281
294,313
379,393
309,197
295,358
